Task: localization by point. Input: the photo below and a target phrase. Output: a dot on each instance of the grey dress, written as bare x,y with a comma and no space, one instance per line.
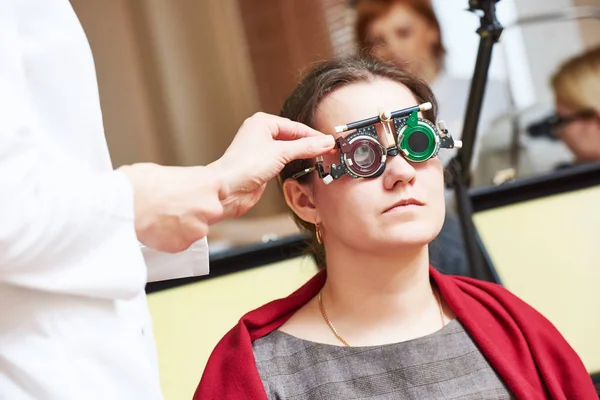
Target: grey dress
444,365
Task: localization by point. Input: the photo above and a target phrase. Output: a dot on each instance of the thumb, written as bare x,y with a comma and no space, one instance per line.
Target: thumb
308,147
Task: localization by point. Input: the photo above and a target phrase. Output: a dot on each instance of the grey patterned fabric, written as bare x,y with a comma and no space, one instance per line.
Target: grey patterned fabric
443,365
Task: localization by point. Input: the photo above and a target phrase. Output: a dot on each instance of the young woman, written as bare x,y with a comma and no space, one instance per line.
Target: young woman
378,322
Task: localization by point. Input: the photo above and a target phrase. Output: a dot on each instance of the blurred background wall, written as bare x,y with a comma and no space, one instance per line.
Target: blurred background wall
178,77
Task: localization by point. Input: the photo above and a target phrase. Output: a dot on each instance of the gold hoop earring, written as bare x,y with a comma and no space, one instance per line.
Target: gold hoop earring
318,234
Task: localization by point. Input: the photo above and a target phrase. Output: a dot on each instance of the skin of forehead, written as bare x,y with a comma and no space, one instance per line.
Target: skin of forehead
391,96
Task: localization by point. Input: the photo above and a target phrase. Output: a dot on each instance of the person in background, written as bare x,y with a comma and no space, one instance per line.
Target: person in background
407,33
576,87
74,322
378,322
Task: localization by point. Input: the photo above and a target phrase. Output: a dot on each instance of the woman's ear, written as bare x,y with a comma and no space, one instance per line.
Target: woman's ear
300,199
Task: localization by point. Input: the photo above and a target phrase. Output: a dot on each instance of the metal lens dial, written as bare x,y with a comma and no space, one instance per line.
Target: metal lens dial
365,158
418,141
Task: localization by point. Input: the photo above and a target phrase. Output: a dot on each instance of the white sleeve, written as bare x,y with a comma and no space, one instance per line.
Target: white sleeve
63,228
164,266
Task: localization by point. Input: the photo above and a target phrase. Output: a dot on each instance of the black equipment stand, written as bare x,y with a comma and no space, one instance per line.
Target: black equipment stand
460,167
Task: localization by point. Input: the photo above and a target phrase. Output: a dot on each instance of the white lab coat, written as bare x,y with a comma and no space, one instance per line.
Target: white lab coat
74,323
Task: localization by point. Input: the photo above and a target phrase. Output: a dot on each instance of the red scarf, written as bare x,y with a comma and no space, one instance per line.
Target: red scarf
523,347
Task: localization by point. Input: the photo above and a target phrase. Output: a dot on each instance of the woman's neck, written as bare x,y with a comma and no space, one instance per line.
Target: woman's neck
362,274
369,293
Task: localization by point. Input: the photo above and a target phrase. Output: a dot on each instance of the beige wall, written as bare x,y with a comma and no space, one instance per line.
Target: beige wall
204,71
178,77
284,37
174,76
132,129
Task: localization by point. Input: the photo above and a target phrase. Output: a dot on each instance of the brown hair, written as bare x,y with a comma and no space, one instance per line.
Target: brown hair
368,11
324,78
577,82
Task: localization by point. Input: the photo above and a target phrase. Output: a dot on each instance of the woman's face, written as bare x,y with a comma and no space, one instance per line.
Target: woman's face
403,208
403,38
582,136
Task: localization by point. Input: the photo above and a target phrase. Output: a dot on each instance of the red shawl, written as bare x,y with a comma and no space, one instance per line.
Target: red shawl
524,348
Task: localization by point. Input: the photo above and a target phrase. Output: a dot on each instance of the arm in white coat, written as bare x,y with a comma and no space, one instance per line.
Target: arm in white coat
164,266
65,232
62,228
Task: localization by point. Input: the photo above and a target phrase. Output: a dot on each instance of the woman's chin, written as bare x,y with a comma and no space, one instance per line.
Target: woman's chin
413,231
405,238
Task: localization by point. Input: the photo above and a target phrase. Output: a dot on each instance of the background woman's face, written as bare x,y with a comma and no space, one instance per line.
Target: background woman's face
368,214
403,37
581,136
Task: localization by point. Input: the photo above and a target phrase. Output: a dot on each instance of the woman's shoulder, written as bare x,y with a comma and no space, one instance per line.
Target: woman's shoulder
518,338
490,296
479,303
283,311
491,288
233,356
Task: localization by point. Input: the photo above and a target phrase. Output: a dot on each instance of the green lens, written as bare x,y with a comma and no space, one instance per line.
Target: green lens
418,143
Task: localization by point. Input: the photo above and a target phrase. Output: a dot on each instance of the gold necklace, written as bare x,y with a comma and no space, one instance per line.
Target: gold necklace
341,339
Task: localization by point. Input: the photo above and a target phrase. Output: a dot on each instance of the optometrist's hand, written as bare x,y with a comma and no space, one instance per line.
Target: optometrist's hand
262,147
174,206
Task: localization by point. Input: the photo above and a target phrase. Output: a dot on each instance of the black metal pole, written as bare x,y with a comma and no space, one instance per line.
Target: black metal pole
489,32
471,121
460,167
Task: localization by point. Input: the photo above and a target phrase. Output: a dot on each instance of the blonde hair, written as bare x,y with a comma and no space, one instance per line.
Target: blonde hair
576,84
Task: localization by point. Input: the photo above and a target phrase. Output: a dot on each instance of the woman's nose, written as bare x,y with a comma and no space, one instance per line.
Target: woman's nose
398,171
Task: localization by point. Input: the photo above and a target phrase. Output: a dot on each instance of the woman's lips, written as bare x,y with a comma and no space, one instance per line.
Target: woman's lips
405,204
